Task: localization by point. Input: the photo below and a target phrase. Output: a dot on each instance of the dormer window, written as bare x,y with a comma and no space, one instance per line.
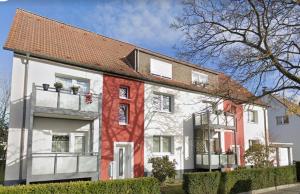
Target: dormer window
160,68
199,78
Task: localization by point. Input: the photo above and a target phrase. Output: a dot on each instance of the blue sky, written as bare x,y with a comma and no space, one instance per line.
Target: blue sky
144,23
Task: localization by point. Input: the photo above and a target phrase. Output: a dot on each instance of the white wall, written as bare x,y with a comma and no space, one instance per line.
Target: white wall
254,131
178,124
288,133
39,72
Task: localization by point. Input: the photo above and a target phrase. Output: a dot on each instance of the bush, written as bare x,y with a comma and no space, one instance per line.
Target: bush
239,180
147,185
162,168
201,182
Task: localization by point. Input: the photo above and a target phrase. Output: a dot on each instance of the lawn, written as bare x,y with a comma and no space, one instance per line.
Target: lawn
175,188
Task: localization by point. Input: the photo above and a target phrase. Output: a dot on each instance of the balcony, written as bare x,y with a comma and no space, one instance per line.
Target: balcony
63,104
58,166
214,120
217,160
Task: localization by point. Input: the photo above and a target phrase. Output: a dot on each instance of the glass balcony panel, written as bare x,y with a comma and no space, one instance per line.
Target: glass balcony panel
42,165
205,159
223,159
69,101
46,99
197,119
93,106
204,119
222,119
230,121
213,119
214,159
88,164
66,164
231,159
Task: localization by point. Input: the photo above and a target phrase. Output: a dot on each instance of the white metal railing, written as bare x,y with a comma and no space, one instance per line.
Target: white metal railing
65,100
216,159
62,163
222,119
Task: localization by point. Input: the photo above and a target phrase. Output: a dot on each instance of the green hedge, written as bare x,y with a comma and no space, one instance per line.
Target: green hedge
238,181
147,185
205,182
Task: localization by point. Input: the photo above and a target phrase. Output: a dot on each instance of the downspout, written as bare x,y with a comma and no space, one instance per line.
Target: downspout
266,133
25,62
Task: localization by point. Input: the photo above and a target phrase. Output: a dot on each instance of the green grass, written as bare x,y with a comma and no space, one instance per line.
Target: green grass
175,188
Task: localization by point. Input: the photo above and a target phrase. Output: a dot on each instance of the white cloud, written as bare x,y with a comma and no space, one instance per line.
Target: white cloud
145,23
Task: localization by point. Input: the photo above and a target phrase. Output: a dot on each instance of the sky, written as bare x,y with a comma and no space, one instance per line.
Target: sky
143,23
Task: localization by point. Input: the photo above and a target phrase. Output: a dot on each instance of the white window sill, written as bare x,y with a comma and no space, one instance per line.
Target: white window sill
160,111
162,154
123,124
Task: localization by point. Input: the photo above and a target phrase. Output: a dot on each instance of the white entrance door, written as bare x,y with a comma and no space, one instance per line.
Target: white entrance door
123,158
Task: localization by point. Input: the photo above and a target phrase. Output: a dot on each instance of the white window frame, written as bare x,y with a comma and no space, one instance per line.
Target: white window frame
127,89
198,74
127,115
255,116
162,102
61,134
282,119
161,68
161,144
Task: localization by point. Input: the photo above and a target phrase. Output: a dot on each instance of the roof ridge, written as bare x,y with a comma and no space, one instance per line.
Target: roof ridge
72,26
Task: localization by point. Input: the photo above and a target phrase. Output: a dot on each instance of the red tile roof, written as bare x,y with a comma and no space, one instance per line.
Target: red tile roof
45,38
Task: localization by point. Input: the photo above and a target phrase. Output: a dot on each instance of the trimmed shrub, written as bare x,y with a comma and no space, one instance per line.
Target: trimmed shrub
238,181
163,168
298,170
201,182
147,185
257,178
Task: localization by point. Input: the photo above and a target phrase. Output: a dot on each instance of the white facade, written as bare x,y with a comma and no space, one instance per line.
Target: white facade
286,133
40,72
178,124
254,130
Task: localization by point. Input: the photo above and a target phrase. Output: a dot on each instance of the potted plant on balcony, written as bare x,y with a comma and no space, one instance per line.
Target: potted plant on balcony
58,86
46,87
75,89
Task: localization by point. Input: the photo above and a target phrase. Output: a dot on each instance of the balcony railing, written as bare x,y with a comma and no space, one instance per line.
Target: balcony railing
217,160
64,100
221,119
63,163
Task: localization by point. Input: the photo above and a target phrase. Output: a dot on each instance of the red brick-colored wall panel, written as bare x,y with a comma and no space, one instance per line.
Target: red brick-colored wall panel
112,131
229,136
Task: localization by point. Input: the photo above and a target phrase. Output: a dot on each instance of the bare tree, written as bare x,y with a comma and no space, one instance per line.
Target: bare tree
257,42
4,115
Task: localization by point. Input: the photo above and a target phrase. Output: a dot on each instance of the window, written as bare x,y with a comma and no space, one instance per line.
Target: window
60,143
79,144
124,92
252,116
123,114
162,102
282,120
161,68
84,85
162,143
199,78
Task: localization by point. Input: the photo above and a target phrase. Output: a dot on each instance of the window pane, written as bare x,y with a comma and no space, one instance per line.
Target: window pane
156,144
67,83
278,121
60,143
166,144
123,113
121,162
84,86
123,92
156,102
167,103
79,144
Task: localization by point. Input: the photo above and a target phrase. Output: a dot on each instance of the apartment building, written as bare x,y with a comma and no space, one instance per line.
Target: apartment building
284,126
132,104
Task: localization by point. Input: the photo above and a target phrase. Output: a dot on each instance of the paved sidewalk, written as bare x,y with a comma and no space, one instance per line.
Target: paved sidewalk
291,190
